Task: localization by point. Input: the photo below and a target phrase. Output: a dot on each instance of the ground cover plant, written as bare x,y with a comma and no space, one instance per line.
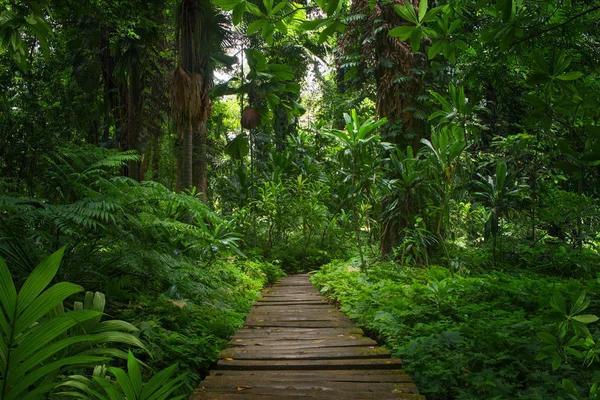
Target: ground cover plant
464,336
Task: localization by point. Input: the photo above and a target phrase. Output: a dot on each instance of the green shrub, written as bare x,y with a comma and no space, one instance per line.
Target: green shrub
474,338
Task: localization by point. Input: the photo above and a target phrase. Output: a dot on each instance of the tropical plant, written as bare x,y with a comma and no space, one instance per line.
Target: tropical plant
572,343
497,195
38,339
125,385
359,146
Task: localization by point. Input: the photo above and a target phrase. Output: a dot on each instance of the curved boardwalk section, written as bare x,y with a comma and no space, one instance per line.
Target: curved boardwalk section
296,345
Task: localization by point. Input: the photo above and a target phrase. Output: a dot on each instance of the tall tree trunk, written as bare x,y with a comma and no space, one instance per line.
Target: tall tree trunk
110,88
200,160
156,148
186,167
396,100
134,119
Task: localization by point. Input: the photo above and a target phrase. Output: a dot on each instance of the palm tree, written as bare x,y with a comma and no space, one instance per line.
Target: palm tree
200,36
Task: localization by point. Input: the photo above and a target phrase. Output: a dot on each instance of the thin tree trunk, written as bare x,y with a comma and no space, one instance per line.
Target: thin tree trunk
134,120
186,167
200,160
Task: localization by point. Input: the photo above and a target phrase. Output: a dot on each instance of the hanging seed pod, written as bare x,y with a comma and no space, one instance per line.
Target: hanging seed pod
250,118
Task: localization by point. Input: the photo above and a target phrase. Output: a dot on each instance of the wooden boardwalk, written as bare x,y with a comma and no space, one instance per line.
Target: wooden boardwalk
296,345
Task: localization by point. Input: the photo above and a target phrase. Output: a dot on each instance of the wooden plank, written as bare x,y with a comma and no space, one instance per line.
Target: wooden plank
304,344
288,303
283,317
266,386
312,395
319,353
368,363
296,333
298,324
376,375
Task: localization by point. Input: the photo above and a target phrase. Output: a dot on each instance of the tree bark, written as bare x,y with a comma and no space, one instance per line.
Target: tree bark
186,169
200,157
134,119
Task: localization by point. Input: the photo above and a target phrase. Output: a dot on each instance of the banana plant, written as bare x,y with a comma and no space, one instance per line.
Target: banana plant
125,385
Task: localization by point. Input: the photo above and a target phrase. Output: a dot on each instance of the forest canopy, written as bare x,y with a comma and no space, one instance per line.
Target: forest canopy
434,163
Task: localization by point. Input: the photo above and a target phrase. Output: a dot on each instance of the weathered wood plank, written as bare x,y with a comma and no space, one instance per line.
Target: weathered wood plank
296,333
303,344
376,375
319,353
266,386
298,324
368,363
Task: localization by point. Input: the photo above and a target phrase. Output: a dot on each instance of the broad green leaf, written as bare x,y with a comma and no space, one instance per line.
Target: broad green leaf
255,27
282,71
507,10
227,5
314,24
405,13
157,381
569,388
586,318
435,49
548,338
238,148
31,19
44,303
21,387
402,32
579,305
8,293
115,325
135,374
50,350
38,280
415,40
113,393
124,382
570,76
500,174
46,331
556,362
279,6
558,302
268,6
238,12
422,9
267,33
328,31
253,9
281,27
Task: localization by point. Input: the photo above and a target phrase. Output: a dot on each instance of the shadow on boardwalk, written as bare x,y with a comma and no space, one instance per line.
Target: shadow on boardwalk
296,345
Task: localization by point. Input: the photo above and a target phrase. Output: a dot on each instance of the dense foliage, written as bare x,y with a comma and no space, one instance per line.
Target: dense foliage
467,336
175,157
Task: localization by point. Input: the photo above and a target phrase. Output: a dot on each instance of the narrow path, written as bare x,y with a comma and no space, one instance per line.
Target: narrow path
294,344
